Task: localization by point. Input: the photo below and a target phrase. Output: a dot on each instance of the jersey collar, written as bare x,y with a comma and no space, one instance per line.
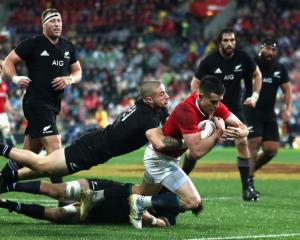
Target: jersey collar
198,107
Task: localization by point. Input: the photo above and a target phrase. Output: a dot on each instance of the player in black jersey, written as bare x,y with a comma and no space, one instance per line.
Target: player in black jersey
113,209
262,120
231,66
126,134
52,66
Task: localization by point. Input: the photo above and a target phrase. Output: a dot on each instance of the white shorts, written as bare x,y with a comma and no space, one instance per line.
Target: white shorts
4,122
163,169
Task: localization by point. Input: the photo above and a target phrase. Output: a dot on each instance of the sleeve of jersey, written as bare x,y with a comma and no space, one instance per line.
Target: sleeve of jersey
73,55
186,121
202,69
222,112
250,63
284,75
24,49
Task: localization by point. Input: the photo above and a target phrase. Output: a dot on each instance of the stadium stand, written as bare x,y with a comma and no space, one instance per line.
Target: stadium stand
122,43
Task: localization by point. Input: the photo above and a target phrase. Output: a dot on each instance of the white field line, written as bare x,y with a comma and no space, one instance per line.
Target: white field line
280,235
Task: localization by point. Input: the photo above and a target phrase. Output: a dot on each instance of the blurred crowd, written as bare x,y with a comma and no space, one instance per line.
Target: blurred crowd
121,43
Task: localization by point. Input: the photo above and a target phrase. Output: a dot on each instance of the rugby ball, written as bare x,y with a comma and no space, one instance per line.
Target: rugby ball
207,128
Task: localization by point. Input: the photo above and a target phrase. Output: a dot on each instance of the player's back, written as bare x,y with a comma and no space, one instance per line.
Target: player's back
127,132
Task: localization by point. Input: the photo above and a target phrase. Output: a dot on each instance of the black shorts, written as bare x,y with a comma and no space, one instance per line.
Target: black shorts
41,120
97,184
111,211
262,124
81,156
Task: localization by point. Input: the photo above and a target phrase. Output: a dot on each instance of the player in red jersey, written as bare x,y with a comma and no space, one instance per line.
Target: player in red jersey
162,168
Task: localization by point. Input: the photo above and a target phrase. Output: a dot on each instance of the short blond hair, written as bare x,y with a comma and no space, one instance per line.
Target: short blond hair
147,88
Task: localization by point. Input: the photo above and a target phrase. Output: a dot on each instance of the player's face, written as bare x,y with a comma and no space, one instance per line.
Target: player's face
160,98
268,53
227,44
53,28
209,103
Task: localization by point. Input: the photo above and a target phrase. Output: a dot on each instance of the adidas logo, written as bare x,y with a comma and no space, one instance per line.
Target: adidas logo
238,68
218,70
44,53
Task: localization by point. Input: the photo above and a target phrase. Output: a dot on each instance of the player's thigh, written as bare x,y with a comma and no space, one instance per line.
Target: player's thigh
148,189
54,163
34,145
51,143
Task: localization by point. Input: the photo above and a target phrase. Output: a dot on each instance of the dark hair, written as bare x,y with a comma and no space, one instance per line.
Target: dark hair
48,11
225,30
211,84
269,42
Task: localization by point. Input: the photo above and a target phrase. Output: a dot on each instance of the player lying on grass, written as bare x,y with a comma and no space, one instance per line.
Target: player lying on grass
161,166
126,134
113,209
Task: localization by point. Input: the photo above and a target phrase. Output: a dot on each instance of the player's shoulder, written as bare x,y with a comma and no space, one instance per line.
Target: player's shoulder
32,40
212,56
65,41
241,53
281,66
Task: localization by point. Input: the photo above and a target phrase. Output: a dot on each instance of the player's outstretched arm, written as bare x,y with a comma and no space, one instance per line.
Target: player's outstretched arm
156,137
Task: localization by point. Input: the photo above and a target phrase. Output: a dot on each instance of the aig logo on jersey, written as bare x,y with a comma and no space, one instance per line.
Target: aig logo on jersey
58,63
228,77
267,80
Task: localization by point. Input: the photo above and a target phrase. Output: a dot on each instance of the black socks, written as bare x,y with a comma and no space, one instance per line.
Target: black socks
5,150
31,210
243,166
188,164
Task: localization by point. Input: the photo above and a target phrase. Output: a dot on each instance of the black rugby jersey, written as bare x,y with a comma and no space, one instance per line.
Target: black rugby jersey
45,61
230,71
127,132
272,78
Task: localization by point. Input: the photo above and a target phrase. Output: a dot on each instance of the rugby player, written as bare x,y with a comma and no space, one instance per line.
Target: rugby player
262,120
52,66
232,66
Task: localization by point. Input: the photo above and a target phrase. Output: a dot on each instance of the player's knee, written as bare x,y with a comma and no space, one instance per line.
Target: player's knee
197,210
6,131
270,152
192,202
55,215
242,144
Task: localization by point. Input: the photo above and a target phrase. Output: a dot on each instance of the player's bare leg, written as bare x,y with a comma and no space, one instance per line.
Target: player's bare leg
269,150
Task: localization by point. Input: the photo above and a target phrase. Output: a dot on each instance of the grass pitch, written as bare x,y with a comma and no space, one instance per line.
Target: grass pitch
225,215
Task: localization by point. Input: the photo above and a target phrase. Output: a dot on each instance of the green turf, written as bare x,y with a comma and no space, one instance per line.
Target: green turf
225,214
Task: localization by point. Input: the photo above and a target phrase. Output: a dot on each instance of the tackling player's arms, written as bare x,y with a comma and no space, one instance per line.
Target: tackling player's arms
161,142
